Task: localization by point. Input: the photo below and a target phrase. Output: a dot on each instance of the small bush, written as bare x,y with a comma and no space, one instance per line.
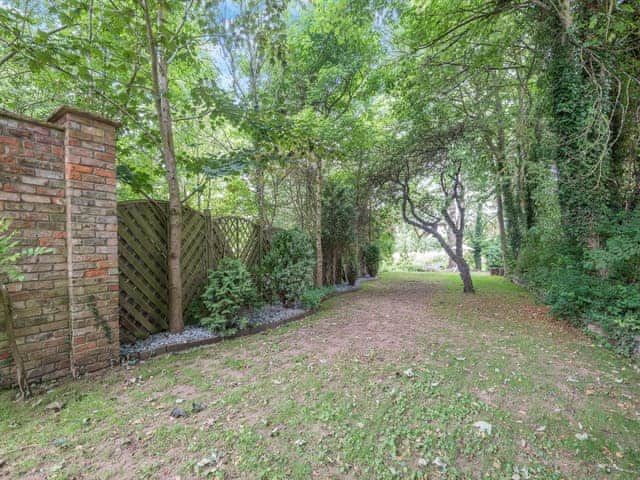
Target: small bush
230,290
287,269
371,257
312,297
493,252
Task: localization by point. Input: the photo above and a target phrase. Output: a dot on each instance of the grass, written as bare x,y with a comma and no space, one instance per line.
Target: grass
383,383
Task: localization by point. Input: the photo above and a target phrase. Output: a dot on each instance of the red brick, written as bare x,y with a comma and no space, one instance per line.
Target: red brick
10,141
39,165
104,172
81,168
96,272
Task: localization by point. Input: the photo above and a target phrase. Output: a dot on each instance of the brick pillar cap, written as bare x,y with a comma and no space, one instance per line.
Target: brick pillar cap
62,111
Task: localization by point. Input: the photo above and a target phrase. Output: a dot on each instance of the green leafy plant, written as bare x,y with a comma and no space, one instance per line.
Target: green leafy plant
371,258
598,286
312,297
10,254
287,269
229,291
494,254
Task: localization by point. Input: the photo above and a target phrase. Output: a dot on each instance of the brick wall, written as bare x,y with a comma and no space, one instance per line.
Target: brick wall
57,184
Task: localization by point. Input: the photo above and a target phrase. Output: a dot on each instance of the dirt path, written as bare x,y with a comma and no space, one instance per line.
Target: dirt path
386,382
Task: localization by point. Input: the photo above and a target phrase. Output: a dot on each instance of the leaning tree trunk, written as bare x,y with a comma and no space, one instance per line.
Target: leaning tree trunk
462,266
456,255
451,236
21,375
160,77
465,275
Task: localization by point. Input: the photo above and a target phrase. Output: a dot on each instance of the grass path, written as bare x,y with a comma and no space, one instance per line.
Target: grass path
383,383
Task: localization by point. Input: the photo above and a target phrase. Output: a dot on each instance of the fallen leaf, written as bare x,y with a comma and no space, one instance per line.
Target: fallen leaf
439,463
483,427
55,406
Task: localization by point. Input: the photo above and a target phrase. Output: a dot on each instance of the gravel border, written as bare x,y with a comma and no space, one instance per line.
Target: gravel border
268,316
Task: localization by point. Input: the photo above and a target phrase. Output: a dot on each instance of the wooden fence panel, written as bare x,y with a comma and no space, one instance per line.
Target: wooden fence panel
142,243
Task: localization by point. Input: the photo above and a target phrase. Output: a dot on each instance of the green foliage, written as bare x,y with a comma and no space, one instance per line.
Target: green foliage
11,253
287,269
600,286
338,215
582,297
386,242
493,253
312,297
371,257
230,290
620,256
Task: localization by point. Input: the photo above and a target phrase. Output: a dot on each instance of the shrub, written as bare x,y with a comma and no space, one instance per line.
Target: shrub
312,297
229,290
493,252
598,285
287,269
582,297
371,257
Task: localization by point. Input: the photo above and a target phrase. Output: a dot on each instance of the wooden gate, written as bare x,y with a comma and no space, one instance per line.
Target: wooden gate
142,250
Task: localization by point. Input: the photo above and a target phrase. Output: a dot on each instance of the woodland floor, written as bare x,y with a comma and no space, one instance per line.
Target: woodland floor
386,382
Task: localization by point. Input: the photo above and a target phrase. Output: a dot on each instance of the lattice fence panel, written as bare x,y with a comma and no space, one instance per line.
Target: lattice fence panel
238,238
142,237
142,250
195,262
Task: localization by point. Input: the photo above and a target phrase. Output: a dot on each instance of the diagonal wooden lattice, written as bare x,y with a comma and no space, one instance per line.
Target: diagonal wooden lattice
142,252
142,243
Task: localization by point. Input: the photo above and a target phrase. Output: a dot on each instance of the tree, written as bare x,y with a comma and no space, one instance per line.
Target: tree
157,45
96,60
251,37
330,54
427,178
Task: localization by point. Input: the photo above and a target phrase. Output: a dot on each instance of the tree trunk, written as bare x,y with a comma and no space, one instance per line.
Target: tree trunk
451,235
456,255
503,234
318,219
465,275
21,375
477,239
262,216
160,76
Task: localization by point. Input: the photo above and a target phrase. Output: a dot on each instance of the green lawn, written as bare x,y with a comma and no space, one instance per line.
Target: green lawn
386,382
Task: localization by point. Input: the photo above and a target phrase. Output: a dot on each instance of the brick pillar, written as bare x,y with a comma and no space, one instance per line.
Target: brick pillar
92,238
